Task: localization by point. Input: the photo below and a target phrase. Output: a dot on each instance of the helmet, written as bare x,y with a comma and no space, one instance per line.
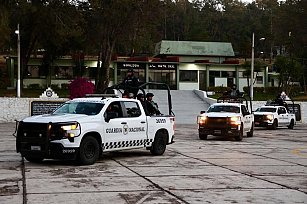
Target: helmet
140,95
149,95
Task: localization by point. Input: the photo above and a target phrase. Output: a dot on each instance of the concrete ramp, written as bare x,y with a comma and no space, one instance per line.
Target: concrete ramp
186,104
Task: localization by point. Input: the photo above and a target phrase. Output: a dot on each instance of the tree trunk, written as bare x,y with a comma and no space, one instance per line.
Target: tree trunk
104,71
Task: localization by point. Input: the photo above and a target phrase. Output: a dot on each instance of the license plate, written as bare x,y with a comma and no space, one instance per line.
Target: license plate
217,131
36,148
256,123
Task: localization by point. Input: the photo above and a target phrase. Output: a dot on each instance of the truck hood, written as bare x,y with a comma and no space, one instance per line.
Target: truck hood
220,115
55,118
263,113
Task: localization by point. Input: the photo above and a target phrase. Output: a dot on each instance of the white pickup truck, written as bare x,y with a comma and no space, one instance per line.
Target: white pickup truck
273,116
83,128
229,117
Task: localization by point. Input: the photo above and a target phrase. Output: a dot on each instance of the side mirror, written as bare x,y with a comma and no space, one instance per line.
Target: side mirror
201,112
110,115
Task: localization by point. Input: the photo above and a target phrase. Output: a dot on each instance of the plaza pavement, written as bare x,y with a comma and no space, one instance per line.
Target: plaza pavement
270,167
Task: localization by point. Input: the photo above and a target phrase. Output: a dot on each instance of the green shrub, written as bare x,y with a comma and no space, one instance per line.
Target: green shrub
218,89
295,90
64,86
34,86
54,86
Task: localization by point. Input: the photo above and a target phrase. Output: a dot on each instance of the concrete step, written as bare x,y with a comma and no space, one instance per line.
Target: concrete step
186,104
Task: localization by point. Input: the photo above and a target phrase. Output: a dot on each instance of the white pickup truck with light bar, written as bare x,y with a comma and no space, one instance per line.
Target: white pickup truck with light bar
228,117
83,128
272,116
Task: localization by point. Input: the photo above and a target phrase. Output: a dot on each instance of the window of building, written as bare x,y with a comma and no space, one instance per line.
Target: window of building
259,79
164,76
188,76
122,73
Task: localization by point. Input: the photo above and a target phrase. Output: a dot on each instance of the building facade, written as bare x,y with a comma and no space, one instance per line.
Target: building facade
183,65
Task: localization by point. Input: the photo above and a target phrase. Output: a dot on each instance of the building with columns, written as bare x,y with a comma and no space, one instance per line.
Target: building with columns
183,65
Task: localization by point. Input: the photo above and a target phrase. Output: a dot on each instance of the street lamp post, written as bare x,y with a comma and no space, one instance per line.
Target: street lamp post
18,70
251,91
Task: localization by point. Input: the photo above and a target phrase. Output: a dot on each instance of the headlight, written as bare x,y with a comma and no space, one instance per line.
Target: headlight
71,129
269,117
235,120
201,120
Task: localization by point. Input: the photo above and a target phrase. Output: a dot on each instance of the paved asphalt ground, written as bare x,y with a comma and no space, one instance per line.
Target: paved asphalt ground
270,167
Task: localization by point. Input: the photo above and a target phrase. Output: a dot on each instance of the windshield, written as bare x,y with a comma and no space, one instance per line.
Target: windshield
86,108
266,110
228,109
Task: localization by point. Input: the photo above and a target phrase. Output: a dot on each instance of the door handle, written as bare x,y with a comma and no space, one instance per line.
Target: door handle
143,122
124,123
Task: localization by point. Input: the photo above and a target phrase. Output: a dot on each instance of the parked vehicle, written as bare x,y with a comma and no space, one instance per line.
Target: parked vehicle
84,128
230,116
273,115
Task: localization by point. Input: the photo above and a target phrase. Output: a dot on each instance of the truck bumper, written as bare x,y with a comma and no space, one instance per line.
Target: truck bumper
53,151
263,123
228,131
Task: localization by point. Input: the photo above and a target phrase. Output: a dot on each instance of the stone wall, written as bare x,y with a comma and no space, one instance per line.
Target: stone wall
18,108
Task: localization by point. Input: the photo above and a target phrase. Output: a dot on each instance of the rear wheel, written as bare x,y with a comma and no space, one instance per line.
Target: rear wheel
291,126
89,151
34,159
159,144
239,136
251,132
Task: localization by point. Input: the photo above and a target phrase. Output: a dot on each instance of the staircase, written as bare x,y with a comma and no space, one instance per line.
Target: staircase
186,104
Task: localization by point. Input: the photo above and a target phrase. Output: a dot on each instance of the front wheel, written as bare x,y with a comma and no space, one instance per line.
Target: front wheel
202,136
34,159
89,151
251,132
159,144
239,137
275,124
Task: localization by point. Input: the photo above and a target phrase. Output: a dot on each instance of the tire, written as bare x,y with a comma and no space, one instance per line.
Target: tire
275,124
203,136
89,151
159,144
34,159
251,132
291,126
239,137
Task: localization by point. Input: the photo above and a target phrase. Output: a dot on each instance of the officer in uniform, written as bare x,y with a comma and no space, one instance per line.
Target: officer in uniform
131,82
152,107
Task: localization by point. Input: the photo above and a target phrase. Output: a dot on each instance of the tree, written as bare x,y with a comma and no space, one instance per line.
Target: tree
290,70
4,24
111,21
49,25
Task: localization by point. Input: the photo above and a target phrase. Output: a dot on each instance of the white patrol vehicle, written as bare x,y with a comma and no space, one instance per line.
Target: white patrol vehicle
229,117
84,128
272,116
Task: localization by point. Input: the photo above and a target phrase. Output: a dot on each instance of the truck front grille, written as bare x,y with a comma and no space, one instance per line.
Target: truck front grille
216,122
259,117
32,130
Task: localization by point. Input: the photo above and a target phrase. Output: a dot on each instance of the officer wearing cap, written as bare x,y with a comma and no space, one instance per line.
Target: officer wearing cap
152,107
130,82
